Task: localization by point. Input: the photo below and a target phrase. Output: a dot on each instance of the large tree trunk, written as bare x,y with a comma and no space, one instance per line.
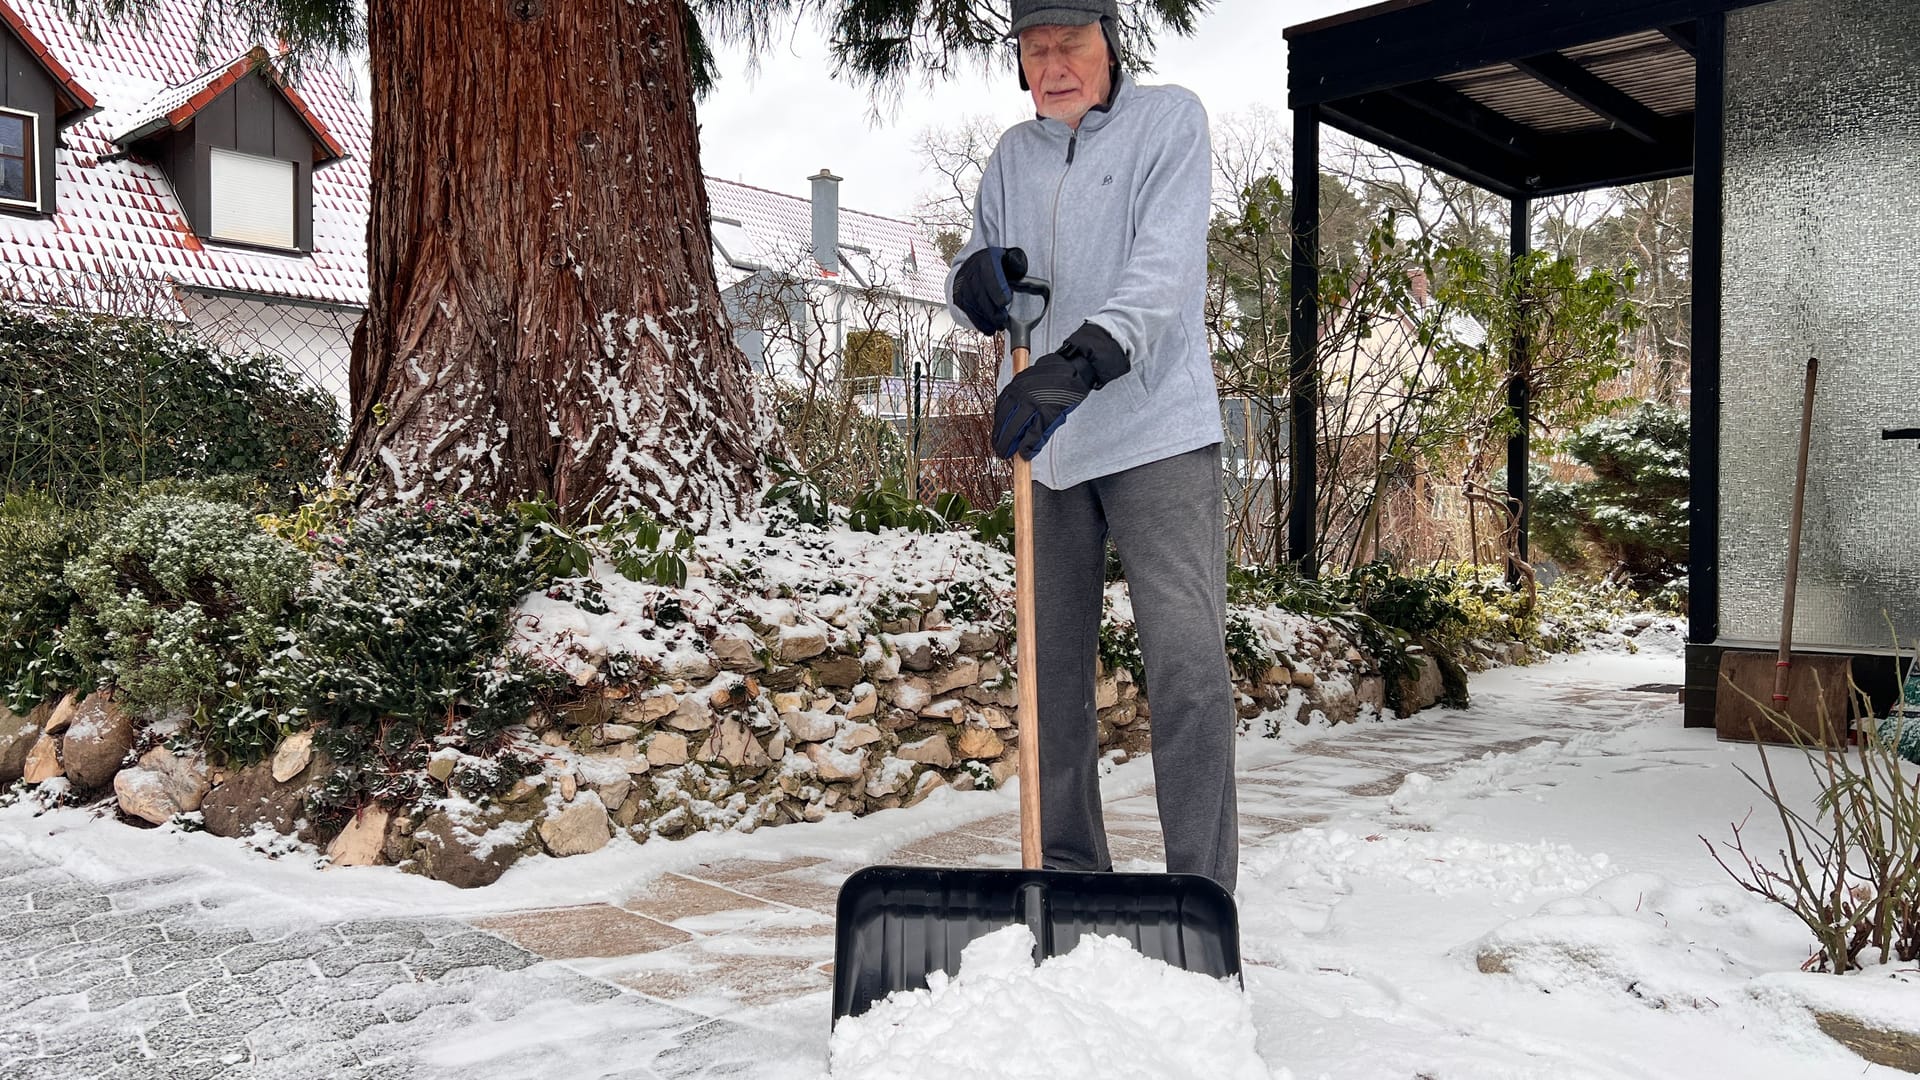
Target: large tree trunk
544,314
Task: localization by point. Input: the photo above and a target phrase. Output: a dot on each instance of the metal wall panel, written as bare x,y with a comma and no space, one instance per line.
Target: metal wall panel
1822,254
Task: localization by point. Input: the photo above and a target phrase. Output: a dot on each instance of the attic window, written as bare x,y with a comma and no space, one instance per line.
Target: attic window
252,199
19,134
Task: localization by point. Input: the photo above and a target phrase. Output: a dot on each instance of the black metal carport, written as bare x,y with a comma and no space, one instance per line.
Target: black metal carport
1528,99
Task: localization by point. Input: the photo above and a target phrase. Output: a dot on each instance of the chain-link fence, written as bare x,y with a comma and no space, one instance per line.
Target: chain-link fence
313,340
107,377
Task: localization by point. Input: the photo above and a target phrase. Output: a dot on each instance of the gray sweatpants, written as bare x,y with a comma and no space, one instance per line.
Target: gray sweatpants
1166,519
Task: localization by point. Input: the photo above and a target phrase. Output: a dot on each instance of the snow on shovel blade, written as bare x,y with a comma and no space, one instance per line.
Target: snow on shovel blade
898,924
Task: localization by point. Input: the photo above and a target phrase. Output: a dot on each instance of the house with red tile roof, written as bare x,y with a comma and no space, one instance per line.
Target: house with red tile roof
143,174
815,290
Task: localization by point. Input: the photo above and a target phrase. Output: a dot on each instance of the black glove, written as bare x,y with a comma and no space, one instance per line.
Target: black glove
1036,401
981,288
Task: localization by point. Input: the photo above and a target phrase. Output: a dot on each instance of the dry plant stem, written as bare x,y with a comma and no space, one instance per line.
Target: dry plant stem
1856,885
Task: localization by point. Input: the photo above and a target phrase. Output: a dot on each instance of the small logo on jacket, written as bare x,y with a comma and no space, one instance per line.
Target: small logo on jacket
1107,181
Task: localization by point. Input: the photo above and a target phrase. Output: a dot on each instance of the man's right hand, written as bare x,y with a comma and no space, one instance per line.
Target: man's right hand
981,288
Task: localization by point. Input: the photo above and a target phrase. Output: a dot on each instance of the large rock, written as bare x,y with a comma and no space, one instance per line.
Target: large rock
650,708
294,755
979,639
928,783
43,760
964,672
799,643
864,703
579,827
915,652
1882,1045
688,664
614,792
98,738
694,714
364,839
1876,1017
932,750
251,798
737,649
1371,690
448,851
161,785
840,672
811,726
62,715
1425,688
835,765
17,736
667,749
857,736
732,744
911,694
980,743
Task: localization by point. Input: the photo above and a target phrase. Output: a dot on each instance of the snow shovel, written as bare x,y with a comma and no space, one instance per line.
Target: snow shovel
1810,694
896,925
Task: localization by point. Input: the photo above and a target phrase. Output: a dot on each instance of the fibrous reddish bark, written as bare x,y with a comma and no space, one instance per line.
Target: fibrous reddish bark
544,314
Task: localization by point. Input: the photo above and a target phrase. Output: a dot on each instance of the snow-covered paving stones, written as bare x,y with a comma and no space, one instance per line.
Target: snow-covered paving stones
1517,890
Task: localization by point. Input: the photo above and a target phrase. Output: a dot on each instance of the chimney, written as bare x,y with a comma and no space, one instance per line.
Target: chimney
826,221
1417,279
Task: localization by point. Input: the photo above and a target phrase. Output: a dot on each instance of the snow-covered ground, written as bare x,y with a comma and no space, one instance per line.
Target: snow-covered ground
1446,896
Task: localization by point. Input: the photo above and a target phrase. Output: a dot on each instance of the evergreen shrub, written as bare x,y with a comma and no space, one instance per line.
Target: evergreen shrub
177,605
89,399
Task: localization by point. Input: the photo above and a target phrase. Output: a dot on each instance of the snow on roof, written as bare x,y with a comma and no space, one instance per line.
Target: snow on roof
118,221
78,99
754,228
118,224
176,106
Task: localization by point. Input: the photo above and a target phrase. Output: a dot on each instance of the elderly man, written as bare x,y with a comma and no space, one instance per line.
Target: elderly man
1106,192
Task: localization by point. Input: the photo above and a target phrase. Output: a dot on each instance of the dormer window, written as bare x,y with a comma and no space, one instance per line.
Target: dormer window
38,96
239,147
252,199
19,137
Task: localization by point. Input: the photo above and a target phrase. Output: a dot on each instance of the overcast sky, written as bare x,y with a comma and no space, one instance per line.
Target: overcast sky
776,127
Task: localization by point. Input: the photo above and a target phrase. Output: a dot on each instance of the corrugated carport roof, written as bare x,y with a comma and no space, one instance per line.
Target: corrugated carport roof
1524,97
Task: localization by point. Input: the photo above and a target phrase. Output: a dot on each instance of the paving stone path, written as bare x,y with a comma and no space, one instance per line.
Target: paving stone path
705,973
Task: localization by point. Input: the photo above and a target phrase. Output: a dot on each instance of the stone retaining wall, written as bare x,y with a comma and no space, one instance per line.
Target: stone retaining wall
770,726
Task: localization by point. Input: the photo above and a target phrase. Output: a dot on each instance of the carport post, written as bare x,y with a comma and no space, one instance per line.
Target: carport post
1303,335
1519,397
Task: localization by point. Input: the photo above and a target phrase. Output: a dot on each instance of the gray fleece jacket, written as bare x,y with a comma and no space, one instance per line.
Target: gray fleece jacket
1115,216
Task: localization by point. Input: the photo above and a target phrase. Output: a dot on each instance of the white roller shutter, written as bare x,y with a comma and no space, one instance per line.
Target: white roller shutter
252,199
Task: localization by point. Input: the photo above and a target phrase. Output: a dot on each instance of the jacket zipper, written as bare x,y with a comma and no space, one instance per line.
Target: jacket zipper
1053,248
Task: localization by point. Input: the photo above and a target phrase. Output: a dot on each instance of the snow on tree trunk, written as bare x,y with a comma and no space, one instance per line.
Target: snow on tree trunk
544,313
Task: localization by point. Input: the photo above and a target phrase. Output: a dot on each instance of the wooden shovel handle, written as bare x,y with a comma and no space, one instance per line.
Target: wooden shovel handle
1027,651
1783,665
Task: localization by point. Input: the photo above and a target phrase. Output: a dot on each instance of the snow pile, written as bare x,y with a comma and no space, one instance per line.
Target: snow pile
1426,799
1668,946
1444,865
1102,1010
1884,1000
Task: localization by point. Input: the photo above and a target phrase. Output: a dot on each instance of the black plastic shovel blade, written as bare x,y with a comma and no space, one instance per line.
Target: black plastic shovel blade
898,924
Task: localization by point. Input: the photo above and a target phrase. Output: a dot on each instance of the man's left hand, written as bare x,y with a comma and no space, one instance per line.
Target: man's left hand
1036,402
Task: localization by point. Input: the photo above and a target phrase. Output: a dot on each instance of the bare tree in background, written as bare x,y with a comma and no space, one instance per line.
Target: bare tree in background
959,156
867,381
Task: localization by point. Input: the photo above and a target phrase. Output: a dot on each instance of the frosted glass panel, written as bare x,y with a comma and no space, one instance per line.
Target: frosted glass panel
1823,258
